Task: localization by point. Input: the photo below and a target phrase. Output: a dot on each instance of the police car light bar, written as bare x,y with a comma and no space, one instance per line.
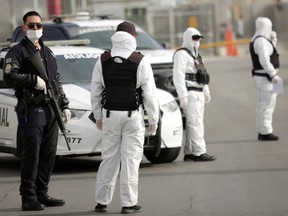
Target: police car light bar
79,16
67,42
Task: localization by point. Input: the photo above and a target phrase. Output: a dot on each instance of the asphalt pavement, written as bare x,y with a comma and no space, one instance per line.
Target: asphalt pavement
249,177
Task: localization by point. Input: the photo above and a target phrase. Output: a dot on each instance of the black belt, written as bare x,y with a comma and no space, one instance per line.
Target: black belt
261,74
191,88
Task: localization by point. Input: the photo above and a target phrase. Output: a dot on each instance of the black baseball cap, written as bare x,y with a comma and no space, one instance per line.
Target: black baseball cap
127,27
196,37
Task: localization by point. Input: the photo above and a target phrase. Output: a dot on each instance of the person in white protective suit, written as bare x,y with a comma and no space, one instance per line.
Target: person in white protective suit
123,128
265,60
192,94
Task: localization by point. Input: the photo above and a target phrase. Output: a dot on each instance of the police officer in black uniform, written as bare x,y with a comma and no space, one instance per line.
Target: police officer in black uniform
37,128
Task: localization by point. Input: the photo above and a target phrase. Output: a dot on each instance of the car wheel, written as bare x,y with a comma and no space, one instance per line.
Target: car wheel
153,151
166,155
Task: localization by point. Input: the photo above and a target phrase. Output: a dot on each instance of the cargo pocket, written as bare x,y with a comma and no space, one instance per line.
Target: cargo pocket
36,116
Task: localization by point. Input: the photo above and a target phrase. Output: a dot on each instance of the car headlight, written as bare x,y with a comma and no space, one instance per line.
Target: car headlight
77,114
170,107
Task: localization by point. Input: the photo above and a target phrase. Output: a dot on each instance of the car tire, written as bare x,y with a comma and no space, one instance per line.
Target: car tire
166,155
158,154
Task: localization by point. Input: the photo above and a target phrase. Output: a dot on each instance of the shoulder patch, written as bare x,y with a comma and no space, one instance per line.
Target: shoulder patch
8,60
8,68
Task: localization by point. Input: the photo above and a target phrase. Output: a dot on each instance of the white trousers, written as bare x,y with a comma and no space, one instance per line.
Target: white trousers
194,138
266,102
122,143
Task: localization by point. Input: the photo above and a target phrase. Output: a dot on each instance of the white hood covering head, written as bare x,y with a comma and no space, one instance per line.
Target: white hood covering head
188,42
263,27
123,41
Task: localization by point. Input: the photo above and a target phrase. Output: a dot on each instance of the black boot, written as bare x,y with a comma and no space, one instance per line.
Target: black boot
204,157
188,157
50,201
267,137
132,209
100,208
32,206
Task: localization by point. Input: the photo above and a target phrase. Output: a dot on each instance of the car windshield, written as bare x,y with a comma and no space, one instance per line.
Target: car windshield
76,68
102,39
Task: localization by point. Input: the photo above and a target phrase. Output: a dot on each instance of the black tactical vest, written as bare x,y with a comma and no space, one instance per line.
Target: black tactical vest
274,58
120,79
201,76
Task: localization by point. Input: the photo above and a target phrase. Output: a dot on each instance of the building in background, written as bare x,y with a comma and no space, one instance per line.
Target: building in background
218,20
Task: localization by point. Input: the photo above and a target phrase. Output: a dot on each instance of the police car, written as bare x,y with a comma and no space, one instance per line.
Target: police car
99,31
76,64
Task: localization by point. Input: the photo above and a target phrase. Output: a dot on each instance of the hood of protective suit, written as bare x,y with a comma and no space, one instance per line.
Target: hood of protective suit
263,27
188,42
123,41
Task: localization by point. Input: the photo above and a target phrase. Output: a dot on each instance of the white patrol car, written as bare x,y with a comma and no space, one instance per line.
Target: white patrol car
76,64
99,31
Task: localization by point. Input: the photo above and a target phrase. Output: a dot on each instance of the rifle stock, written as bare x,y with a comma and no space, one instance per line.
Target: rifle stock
37,62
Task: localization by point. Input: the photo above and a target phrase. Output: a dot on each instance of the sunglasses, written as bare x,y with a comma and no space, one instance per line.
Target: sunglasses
196,37
32,25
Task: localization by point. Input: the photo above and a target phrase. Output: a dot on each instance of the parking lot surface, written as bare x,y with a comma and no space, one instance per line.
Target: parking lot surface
249,177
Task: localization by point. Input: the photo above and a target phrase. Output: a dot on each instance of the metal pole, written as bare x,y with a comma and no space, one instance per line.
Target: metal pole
172,27
83,5
72,7
35,5
12,12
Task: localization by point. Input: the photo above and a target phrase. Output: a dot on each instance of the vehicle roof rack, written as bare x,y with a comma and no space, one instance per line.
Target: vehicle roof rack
8,44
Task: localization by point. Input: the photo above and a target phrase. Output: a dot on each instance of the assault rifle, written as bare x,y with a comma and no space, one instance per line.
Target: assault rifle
37,63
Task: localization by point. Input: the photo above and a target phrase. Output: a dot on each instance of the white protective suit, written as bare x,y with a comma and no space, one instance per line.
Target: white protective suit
194,109
123,136
266,99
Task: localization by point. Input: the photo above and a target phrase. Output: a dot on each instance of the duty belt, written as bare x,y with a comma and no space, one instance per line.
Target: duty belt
40,99
192,88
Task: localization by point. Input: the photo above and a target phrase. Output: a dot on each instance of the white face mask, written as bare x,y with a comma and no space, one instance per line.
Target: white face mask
196,44
34,35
